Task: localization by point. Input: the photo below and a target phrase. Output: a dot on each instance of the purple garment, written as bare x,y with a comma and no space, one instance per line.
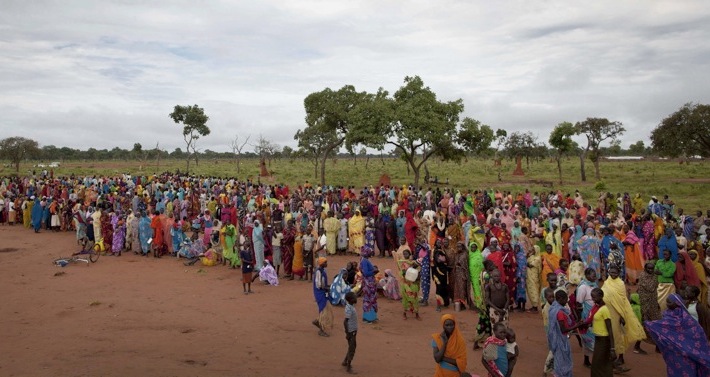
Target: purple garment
268,274
681,341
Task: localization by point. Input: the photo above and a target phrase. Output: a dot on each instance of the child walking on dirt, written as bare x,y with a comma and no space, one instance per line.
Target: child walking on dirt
350,324
247,269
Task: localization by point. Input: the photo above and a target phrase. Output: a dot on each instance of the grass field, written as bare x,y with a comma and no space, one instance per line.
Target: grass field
687,184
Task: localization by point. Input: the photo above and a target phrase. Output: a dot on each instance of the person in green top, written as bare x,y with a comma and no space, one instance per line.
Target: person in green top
664,270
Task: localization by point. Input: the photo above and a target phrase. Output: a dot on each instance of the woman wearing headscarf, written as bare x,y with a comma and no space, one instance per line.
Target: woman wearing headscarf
632,254
144,233
685,273
257,237
369,286
702,276
475,267
560,325
390,286
681,341
649,238
521,272
584,298
461,277
574,241
423,257
356,232
670,243
588,247
648,293
630,329
532,279
449,347
324,322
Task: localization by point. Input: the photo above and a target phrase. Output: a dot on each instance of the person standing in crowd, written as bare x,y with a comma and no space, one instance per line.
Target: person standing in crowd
665,270
324,322
369,286
350,324
332,227
630,330
287,249
680,340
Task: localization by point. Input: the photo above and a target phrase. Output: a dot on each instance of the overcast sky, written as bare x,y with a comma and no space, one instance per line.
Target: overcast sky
107,73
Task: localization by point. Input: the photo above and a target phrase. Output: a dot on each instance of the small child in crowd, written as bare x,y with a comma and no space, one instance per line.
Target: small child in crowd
247,269
511,347
350,324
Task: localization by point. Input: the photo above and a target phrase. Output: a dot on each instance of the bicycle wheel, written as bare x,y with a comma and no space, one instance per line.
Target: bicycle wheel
93,256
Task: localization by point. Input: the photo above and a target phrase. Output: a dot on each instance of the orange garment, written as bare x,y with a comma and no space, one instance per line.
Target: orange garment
455,349
157,227
565,244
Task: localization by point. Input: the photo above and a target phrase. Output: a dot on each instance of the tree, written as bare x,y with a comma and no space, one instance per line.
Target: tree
520,144
330,123
17,149
194,121
314,146
597,130
287,152
638,148
474,137
137,151
237,150
419,125
266,149
561,141
686,132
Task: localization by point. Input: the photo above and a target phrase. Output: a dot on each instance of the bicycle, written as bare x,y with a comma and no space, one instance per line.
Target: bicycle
91,257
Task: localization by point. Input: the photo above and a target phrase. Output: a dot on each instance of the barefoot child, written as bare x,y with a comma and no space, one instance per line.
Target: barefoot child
497,299
350,324
247,268
511,347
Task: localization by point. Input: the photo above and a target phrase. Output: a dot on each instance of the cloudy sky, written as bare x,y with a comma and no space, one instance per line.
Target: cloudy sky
107,73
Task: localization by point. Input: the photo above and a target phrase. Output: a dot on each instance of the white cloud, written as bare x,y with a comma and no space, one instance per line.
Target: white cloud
105,74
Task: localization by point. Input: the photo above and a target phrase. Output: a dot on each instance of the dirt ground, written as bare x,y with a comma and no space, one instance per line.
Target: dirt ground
137,316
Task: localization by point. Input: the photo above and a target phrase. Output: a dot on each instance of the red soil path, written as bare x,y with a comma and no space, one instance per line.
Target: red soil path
137,316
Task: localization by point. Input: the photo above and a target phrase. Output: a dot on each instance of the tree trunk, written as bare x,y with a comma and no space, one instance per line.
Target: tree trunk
187,170
238,167
17,166
582,157
559,167
315,175
322,169
596,169
416,177
367,161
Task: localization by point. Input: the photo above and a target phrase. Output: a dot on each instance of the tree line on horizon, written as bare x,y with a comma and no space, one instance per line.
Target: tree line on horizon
412,125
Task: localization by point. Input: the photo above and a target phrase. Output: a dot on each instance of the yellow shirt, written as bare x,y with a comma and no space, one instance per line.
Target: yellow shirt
598,325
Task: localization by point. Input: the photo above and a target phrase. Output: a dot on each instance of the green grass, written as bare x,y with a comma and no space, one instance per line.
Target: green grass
687,185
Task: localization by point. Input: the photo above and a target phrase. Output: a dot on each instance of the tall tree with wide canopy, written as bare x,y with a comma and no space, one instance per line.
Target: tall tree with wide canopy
686,132
330,122
597,130
561,140
18,148
194,121
420,125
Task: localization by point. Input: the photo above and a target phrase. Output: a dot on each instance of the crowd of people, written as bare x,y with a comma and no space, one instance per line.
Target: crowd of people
612,272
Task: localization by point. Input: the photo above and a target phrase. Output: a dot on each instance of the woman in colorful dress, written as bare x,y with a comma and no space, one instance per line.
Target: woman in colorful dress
369,286
681,341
